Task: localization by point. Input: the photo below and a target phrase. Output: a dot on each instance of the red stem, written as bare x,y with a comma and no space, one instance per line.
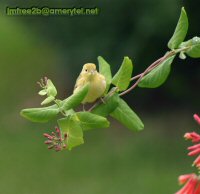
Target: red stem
150,68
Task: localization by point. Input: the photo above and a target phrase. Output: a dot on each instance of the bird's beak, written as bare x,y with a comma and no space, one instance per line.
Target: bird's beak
92,72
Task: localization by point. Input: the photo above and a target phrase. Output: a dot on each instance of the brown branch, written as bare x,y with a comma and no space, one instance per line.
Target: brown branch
150,68
113,90
137,76
141,75
94,105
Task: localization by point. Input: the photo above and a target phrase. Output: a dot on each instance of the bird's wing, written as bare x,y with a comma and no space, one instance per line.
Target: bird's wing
76,84
80,82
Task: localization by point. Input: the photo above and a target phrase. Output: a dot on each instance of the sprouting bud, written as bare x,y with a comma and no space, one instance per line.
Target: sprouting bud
48,136
65,136
64,146
50,147
55,140
43,82
48,142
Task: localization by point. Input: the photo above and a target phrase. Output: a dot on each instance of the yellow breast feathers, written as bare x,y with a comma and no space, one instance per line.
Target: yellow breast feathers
97,83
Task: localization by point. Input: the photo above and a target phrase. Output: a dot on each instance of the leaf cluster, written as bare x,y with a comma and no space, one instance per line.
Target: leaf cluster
73,123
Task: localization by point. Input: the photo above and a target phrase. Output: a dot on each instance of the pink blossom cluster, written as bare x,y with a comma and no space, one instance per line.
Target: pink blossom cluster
55,140
192,181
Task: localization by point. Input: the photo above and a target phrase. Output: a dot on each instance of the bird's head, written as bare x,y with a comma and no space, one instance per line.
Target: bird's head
89,69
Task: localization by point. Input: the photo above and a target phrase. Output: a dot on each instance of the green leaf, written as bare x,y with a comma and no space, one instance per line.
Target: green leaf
51,90
69,112
42,92
104,69
47,100
158,75
194,50
75,99
92,121
125,115
109,106
123,76
72,128
180,31
182,55
40,115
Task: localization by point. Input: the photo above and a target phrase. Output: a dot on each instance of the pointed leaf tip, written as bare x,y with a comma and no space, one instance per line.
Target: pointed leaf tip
104,69
51,89
40,115
123,76
180,31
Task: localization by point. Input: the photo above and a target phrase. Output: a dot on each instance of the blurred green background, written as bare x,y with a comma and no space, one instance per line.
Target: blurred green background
114,160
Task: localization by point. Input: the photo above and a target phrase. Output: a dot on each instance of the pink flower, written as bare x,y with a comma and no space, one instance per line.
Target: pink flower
191,186
197,190
197,162
192,181
183,178
194,150
55,140
195,137
196,118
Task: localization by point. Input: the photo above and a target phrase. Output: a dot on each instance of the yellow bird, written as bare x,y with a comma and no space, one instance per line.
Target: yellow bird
97,83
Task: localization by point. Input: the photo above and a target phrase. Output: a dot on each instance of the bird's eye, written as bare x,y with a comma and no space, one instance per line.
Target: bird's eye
86,70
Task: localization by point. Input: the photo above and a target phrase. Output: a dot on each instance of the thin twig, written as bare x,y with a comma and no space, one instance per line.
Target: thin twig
150,68
104,99
141,75
94,105
137,76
